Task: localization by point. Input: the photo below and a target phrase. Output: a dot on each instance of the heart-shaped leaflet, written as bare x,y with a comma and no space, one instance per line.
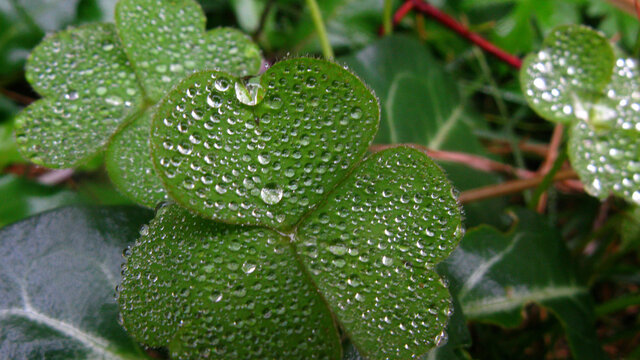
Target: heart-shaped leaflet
262,157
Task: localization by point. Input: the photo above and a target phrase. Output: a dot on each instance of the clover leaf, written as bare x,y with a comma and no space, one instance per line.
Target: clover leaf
267,154
575,79
285,156
372,247
568,74
205,289
99,78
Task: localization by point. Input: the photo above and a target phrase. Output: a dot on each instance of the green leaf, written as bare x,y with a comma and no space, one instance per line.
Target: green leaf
456,336
88,96
8,149
494,275
371,248
517,30
129,163
630,229
49,15
209,290
23,198
570,72
18,35
266,154
92,82
162,55
56,285
604,148
421,104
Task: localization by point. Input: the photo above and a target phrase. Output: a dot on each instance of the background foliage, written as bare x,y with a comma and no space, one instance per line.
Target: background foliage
544,272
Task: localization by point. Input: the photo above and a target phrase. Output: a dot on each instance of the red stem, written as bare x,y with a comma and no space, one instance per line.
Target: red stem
462,30
402,12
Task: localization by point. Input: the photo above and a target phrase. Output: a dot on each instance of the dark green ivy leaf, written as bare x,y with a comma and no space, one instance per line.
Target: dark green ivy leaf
58,271
494,275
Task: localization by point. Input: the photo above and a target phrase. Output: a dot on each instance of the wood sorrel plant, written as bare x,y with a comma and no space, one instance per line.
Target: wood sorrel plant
279,231
577,79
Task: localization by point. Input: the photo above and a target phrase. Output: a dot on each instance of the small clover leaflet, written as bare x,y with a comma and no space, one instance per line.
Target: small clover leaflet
362,245
99,79
576,79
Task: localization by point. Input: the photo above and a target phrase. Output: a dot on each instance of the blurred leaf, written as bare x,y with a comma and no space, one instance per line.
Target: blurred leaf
569,73
22,198
8,149
586,87
249,13
49,15
630,229
100,190
350,24
421,104
494,275
517,30
57,275
615,22
604,148
18,34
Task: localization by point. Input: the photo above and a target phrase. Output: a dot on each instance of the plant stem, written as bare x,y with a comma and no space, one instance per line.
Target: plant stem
19,98
462,30
511,187
316,15
263,19
387,17
402,11
629,6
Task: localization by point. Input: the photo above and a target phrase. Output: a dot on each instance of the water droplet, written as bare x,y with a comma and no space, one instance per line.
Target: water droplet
356,113
271,194
71,95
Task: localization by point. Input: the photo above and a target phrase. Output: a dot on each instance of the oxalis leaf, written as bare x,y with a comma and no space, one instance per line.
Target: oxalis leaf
568,74
267,154
494,275
583,86
205,288
98,78
56,286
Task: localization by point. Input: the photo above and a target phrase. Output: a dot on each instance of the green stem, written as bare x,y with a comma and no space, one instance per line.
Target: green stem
327,51
387,17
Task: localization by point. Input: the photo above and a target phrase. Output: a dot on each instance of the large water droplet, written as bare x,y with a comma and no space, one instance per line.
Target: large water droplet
271,194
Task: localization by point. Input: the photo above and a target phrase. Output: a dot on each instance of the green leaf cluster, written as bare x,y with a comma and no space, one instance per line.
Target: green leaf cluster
578,79
280,232
100,83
